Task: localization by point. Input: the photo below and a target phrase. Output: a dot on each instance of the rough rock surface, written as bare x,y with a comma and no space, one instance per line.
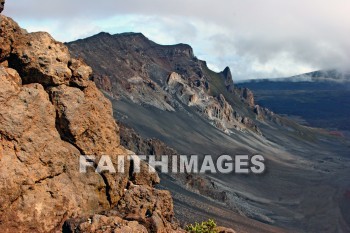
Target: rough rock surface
216,109
40,59
110,223
247,95
77,114
153,208
142,209
51,114
227,75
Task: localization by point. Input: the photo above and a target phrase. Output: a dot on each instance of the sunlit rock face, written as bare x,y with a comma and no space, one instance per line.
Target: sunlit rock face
50,114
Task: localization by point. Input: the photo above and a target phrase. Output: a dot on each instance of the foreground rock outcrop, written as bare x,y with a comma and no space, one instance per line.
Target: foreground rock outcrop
50,114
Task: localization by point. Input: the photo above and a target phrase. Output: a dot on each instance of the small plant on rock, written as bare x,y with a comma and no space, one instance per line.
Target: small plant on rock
204,227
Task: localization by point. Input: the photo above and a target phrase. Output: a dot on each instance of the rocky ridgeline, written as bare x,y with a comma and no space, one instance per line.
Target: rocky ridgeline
169,77
50,114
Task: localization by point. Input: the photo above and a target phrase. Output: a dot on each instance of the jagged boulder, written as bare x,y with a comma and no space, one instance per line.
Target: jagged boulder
142,209
80,73
40,59
40,181
9,32
84,117
153,208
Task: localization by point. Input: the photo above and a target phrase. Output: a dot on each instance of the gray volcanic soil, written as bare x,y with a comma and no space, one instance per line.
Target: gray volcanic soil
303,188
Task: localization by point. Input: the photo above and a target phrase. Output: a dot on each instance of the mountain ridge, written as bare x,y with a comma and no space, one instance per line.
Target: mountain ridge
152,62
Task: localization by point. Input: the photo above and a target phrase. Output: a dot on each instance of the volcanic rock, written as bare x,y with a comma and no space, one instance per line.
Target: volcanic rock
248,96
226,73
103,224
50,115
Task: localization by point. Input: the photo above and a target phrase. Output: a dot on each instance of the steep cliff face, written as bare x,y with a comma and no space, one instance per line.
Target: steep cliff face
50,114
216,109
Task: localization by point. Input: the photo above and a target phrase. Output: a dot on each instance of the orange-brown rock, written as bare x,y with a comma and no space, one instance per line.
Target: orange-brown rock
142,209
103,224
9,31
80,73
84,117
153,208
40,181
50,114
39,58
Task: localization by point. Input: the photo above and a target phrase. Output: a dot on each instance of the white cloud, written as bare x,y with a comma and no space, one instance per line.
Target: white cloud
257,39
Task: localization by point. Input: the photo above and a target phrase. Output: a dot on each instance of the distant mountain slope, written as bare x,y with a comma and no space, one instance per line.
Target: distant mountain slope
165,92
168,77
319,99
324,76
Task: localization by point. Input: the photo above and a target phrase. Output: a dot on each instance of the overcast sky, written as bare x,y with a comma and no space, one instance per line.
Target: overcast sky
255,38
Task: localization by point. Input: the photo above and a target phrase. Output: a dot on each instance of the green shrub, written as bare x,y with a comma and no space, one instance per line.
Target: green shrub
204,227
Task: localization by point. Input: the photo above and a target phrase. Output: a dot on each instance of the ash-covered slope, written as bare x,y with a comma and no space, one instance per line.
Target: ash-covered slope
50,114
165,92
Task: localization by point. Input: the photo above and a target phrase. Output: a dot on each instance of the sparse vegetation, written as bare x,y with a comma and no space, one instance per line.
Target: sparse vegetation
204,227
